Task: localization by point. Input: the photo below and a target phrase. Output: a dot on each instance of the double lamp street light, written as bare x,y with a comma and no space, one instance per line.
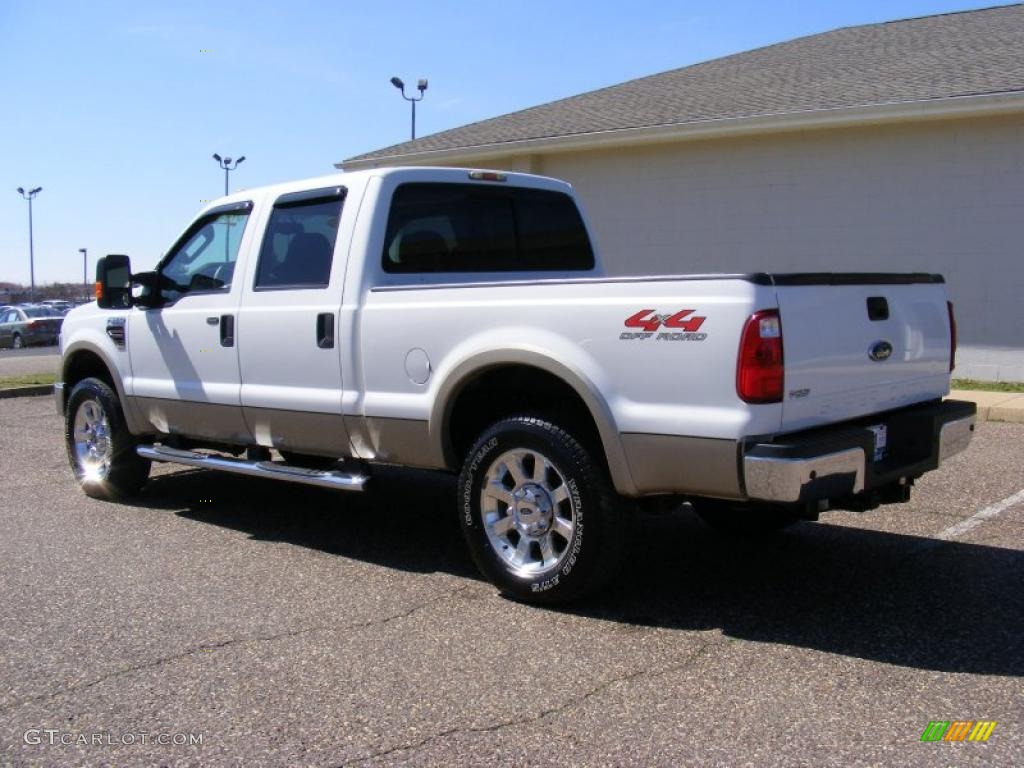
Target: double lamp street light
421,86
225,163
30,195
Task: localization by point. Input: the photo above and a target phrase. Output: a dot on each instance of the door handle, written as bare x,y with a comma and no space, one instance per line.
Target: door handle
325,330
227,330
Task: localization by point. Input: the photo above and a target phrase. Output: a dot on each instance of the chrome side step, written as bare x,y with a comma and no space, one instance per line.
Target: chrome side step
342,481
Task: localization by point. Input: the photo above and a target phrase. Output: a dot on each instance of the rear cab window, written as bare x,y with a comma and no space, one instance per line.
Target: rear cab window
446,227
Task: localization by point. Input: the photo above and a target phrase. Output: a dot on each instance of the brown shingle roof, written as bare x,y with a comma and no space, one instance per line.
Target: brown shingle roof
934,57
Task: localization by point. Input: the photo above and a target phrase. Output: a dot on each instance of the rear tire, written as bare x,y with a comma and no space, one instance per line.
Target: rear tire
100,448
525,489
17,342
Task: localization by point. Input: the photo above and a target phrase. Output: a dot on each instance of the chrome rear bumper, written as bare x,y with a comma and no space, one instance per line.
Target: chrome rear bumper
785,480
955,437
825,464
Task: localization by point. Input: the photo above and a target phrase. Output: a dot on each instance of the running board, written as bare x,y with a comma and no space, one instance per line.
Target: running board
342,481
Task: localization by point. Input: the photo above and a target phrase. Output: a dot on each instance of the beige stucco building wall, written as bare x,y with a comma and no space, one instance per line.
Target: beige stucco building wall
937,196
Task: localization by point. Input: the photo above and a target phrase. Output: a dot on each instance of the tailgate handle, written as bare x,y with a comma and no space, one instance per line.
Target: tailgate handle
325,330
878,308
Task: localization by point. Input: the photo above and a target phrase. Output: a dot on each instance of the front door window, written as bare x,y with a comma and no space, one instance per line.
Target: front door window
205,260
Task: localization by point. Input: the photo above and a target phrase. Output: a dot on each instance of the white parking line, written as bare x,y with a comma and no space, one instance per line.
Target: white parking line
959,529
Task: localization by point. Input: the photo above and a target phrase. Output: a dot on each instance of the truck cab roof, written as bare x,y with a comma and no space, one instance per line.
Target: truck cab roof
403,173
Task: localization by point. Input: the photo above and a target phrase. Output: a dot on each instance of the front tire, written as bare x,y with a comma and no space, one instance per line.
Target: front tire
539,513
101,450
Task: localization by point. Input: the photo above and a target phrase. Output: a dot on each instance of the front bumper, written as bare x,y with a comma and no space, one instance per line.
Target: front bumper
839,462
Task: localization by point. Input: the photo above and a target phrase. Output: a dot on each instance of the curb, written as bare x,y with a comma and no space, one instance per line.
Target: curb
994,406
36,390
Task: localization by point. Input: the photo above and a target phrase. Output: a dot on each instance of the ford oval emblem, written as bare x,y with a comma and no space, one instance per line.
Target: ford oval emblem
880,350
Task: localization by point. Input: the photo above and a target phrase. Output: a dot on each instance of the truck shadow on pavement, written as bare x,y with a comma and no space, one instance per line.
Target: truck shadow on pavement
900,599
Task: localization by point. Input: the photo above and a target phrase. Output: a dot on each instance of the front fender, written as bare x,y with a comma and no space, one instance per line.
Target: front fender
94,342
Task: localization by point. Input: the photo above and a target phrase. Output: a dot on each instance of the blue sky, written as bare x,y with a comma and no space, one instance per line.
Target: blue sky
115,108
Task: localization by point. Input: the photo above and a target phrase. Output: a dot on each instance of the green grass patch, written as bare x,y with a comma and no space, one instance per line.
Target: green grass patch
27,380
989,386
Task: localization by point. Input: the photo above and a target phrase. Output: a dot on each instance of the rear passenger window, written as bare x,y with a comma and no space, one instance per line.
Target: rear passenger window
298,246
471,228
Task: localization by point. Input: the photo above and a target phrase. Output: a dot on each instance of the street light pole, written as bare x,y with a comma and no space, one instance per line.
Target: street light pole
225,163
31,248
421,86
85,272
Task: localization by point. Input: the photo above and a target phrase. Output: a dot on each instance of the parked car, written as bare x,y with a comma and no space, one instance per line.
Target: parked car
459,320
27,325
59,306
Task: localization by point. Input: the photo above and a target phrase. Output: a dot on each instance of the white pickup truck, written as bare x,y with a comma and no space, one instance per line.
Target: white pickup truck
460,321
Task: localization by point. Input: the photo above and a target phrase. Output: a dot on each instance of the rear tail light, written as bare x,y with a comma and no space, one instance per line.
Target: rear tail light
952,336
34,324
760,370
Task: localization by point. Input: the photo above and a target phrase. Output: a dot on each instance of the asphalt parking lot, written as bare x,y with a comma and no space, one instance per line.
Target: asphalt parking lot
286,625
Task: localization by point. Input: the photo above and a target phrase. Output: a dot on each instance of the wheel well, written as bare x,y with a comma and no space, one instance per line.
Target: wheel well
512,390
83,365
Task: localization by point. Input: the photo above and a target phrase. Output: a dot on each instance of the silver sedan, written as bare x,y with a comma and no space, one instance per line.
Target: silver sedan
24,326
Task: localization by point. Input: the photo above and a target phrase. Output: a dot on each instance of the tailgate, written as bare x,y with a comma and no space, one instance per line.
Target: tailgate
860,344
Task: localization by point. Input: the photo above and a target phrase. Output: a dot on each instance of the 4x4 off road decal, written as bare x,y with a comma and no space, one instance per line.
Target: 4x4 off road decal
678,326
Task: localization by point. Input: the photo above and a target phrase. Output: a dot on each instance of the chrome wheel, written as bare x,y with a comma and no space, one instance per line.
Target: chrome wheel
528,512
100,447
93,449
